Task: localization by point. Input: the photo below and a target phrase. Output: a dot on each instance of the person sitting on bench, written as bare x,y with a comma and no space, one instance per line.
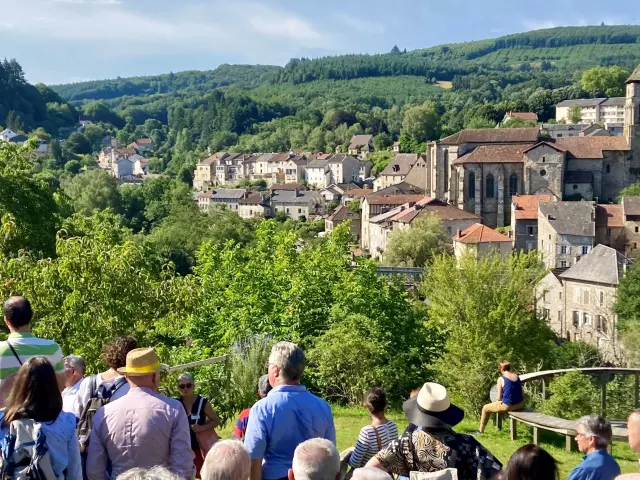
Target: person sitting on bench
510,398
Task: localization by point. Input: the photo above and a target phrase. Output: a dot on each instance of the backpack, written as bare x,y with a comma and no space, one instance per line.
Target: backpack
24,453
99,398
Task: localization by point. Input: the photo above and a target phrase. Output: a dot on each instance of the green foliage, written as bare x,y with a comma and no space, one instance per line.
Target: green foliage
483,306
605,81
78,144
575,114
92,190
415,247
355,205
571,396
421,123
517,123
632,190
380,161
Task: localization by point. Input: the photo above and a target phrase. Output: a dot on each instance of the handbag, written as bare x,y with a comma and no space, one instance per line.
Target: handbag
206,438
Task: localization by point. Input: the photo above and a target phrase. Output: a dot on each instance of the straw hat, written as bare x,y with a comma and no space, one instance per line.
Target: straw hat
141,361
432,408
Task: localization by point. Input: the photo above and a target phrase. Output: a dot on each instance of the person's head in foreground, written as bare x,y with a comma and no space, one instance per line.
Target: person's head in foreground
376,402
115,352
17,313
155,473
263,386
74,368
431,408
593,433
227,460
633,427
142,368
531,463
315,459
35,393
505,366
286,364
370,473
186,384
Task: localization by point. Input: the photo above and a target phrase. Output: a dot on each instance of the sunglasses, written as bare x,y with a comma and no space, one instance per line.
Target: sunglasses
185,385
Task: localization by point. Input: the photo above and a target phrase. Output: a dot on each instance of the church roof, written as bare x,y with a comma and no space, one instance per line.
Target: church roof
493,135
591,147
526,206
494,154
478,233
635,76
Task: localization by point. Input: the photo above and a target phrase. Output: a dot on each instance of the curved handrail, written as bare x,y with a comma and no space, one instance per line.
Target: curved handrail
590,370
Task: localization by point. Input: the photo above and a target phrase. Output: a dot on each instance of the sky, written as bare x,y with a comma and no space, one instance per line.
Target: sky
62,41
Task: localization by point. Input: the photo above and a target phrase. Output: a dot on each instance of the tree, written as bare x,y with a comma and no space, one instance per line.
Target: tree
575,114
94,133
73,167
571,396
92,190
422,123
415,247
55,151
78,144
632,190
382,141
484,306
604,81
627,307
517,123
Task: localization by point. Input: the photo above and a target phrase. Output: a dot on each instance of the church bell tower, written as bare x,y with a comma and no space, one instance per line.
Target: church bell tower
632,114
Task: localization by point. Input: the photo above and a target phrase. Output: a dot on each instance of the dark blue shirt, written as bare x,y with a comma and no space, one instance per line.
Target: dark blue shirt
598,465
280,422
511,391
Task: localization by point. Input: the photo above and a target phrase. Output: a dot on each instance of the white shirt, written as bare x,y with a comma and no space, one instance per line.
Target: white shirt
84,393
69,397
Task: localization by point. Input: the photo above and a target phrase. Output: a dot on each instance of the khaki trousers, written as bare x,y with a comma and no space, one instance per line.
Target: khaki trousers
497,407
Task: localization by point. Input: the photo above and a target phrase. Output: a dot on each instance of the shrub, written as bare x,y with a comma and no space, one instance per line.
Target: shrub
571,396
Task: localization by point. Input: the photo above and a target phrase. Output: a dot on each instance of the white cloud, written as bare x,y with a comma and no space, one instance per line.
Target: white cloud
359,24
538,24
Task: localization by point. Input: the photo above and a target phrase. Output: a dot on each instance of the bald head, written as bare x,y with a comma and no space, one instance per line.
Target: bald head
370,473
17,312
633,427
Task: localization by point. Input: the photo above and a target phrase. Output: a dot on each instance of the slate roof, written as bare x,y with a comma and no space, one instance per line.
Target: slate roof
228,193
288,186
493,135
578,176
442,210
340,158
526,206
358,192
402,163
402,188
614,101
570,218
635,76
591,147
583,102
318,163
343,213
18,139
601,265
631,205
291,198
478,233
358,141
609,215
256,198
494,154
211,159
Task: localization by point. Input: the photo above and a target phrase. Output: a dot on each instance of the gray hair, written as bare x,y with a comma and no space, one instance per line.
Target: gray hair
155,473
597,427
289,358
187,376
227,460
316,459
370,473
77,362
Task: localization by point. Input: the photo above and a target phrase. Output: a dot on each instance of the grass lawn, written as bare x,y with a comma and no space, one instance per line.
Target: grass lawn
349,421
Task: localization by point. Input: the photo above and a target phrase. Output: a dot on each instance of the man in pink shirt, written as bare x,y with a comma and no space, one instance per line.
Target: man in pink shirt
142,429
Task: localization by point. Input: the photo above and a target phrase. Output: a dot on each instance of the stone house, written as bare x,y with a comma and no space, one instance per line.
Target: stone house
365,169
452,218
204,176
142,145
321,173
123,167
480,240
581,306
631,212
343,214
297,204
397,170
355,194
361,145
228,198
526,116
255,205
610,228
141,167
566,232
524,220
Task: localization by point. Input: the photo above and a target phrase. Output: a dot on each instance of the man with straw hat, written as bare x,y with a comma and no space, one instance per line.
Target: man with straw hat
142,429
434,446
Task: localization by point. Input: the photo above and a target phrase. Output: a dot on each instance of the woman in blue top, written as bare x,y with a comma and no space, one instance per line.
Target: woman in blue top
510,396
35,395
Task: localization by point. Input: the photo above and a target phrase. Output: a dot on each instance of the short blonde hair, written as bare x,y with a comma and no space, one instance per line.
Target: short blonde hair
227,460
316,459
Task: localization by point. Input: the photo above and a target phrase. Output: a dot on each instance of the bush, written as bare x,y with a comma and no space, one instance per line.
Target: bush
572,396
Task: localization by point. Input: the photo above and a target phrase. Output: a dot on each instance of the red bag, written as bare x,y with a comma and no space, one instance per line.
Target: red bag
206,438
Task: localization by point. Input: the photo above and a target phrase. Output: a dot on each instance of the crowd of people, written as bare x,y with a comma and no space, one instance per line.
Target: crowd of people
57,423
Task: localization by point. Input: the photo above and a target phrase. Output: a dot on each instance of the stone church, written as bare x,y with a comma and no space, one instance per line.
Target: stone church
479,170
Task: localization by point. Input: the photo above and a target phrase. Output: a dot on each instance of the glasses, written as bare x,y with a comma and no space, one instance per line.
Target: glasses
182,386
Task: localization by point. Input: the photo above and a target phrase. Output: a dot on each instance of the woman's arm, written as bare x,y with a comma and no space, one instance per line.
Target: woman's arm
212,419
357,457
500,384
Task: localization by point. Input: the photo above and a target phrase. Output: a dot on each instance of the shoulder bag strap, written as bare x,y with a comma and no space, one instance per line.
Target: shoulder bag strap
200,409
15,354
378,439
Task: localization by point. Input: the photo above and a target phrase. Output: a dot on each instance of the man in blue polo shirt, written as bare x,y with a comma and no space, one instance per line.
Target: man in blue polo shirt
288,416
593,437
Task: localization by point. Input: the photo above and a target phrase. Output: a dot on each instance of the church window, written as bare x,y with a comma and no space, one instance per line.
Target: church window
543,172
472,185
513,185
490,186
446,170
608,168
575,187
544,159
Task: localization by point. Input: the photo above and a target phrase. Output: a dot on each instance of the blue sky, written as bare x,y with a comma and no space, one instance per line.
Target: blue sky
72,40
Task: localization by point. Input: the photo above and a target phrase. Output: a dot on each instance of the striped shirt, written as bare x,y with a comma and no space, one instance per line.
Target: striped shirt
28,346
367,445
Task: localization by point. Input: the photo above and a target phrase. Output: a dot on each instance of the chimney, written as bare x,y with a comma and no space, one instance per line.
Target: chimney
459,233
296,190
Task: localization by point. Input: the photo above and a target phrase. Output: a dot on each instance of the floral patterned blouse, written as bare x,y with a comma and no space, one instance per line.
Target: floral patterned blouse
437,449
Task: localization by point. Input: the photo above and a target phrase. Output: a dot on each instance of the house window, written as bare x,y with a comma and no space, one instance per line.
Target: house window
564,264
585,296
576,318
559,135
449,230
532,229
287,210
636,229
545,297
543,172
586,319
513,184
472,185
559,295
584,249
489,186
608,169
608,232
299,210
546,313
601,298
565,250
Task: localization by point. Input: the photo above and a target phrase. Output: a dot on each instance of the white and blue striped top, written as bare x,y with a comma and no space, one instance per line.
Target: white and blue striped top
367,444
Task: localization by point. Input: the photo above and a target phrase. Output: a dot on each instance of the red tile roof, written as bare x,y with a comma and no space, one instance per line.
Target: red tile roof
441,209
591,147
526,206
478,233
493,135
394,199
530,116
494,154
358,192
611,216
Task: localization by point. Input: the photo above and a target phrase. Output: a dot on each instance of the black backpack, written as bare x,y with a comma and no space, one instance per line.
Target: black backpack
99,398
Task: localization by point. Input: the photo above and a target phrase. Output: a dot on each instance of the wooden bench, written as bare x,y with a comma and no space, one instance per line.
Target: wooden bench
345,455
553,424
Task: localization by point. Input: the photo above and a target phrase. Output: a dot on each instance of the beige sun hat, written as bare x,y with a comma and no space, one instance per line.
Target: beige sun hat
432,408
141,361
